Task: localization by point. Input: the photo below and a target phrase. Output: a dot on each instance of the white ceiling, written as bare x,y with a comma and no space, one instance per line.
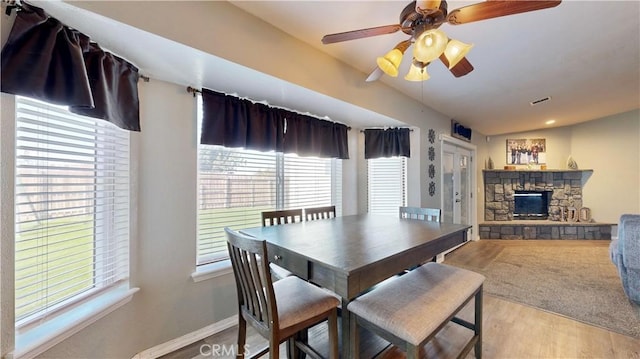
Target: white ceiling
585,55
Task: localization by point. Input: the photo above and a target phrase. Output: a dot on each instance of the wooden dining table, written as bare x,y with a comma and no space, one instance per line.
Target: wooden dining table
351,254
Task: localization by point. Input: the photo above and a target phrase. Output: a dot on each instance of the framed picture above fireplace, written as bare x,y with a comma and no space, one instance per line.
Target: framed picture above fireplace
526,151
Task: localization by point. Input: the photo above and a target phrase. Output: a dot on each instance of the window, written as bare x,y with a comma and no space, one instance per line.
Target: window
387,188
236,185
71,208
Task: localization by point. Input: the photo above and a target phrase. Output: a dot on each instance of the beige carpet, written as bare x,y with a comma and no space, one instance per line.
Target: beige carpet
572,279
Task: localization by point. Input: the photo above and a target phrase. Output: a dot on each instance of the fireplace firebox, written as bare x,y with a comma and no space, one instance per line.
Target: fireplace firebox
531,204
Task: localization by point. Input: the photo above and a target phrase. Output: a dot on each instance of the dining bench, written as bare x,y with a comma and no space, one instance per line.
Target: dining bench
411,309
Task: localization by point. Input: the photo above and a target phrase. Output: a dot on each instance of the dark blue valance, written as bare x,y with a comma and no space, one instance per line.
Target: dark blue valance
46,60
387,143
233,122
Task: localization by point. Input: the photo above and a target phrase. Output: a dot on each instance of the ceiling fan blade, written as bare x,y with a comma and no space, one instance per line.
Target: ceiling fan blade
491,9
358,34
375,74
462,68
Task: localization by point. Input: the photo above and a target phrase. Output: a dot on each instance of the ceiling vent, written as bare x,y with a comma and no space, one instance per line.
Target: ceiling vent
539,101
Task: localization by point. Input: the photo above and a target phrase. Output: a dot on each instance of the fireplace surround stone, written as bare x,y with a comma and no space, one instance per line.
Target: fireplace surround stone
566,191
501,185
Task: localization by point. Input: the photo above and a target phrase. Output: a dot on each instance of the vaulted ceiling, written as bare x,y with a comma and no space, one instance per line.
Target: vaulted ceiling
584,55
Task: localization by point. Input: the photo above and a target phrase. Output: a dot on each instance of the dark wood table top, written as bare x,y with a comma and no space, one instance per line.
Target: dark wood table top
349,243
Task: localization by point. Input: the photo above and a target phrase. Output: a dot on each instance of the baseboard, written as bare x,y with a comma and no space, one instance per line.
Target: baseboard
175,344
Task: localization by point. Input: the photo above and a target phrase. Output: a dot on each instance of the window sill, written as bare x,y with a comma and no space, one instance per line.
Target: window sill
213,270
37,339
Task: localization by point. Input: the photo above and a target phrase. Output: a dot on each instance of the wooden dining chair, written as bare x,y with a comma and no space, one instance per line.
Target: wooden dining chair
272,218
279,311
314,213
426,214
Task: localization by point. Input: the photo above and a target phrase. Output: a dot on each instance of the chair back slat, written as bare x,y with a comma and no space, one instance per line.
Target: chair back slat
315,213
256,298
241,278
425,214
272,218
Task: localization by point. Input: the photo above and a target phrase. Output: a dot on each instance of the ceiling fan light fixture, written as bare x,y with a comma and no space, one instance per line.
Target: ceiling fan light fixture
390,62
456,51
430,45
427,6
417,72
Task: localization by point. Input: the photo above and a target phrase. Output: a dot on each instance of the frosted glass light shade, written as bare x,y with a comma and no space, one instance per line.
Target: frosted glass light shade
390,62
430,45
427,6
417,72
456,51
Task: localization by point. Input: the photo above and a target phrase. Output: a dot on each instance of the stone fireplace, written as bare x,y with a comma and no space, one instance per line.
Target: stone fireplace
501,187
513,199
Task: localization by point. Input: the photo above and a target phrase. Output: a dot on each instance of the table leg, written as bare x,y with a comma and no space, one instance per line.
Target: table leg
346,351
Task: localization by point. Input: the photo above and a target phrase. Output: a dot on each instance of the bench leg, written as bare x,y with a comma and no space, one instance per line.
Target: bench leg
355,336
478,323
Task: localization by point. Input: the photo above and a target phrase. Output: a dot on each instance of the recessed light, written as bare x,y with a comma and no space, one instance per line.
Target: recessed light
550,122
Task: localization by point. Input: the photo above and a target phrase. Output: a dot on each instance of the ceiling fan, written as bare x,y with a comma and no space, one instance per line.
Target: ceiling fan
420,20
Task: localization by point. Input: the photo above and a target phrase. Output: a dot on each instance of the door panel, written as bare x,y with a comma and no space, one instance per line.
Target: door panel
456,184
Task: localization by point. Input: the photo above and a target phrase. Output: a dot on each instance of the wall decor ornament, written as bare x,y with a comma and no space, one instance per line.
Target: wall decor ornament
574,214
432,170
432,153
432,135
526,151
571,163
432,188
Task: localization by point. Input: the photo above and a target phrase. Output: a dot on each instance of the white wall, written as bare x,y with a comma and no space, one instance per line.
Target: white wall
7,152
611,147
7,229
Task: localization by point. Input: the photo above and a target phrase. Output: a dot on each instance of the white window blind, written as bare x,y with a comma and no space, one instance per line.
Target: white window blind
72,208
235,186
387,188
307,181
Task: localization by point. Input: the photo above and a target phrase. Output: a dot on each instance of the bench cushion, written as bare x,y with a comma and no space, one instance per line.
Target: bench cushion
414,305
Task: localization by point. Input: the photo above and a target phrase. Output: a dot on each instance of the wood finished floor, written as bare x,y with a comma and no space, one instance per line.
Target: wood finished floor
511,330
